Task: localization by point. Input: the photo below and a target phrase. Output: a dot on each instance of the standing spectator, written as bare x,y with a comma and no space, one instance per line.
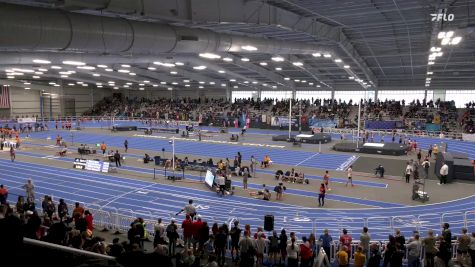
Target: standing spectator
463,246
273,248
305,253
365,238
426,166
78,211
445,246
247,248
342,257
3,194
345,240
62,209
419,155
389,251
126,145
187,226
408,172
430,249
89,220
349,172
444,171
253,166
245,177
204,235
429,151
471,249
159,238
30,191
116,249
48,207
435,150
172,235
197,225
283,246
235,236
326,240
360,257
117,158
279,189
375,256
293,251
414,252
220,246
20,206
321,195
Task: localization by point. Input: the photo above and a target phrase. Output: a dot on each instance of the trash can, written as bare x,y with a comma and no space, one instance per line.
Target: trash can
157,160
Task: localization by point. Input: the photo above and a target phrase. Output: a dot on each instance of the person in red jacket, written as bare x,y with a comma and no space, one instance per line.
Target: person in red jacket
89,219
197,225
187,226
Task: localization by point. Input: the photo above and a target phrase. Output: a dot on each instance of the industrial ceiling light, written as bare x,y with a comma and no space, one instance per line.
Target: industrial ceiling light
246,82
141,88
338,60
36,77
310,83
125,66
431,63
456,40
263,63
435,49
318,85
39,73
64,76
123,71
23,70
10,77
146,81
151,68
155,85
273,86
445,41
278,59
166,64
223,84
186,81
254,82
287,78
296,80
245,59
71,84
201,67
449,34
327,55
430,73
317,54
187,85
27,88
351,78
109,70
441,35
174,83
232,80
86,67
249,48
221,71
73,63
132,74
42,69
41,61
99,86
96,75
126,86
201,87
170,89
179,63
278,68
102,66
57,85
173,72
209,55
298,64
163,82
235,87
26,83
227,59
346,66
212,83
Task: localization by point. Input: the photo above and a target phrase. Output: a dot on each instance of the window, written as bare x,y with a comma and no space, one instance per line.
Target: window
356,96
308,95
243,94
461,97
407,95
279,95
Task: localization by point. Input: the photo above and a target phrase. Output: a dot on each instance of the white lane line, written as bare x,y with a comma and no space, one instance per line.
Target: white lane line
307,159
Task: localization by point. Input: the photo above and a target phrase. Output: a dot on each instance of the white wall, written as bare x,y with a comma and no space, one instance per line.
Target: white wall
179,93
24,102
85,97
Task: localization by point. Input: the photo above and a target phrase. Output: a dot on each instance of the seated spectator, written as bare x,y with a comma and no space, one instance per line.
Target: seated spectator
266,162
147,158
279,174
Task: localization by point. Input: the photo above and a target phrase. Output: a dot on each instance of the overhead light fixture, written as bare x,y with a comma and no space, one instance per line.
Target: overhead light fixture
227,59
132,74
10,77
264,84
179,63
98,83
310,83
42,69
449,34
71,84
73,63
96,75
36,77
441,35
26,83
23,70
223,84
430,73
232,80
263,63
186,81
431,63
318,85
201,82
435,49
187,85
99,86
456,40
278,59
170,89
235,87
163,82
56,67
351,78
287,78
155,85
64,76
102,66
296,80
445,41
141,88
221,71
173,72
327,55
125,66
249,48
278,68
174,83
209,55
166,64
212,83
298,64
86,67
151,68
123,71
316,54
439,54
346,66
109,70
338,60
245,59
202,67
201,87
274,86
254,82
38,72
57,85
79,82
126,86
41,61
246,82
27,88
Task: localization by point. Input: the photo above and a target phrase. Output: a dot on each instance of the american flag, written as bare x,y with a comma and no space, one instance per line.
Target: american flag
5,97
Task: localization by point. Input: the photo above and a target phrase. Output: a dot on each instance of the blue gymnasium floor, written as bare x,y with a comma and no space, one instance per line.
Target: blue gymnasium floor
152,200
205,149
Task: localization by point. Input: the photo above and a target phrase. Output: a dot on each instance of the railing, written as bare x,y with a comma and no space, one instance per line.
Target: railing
410,133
